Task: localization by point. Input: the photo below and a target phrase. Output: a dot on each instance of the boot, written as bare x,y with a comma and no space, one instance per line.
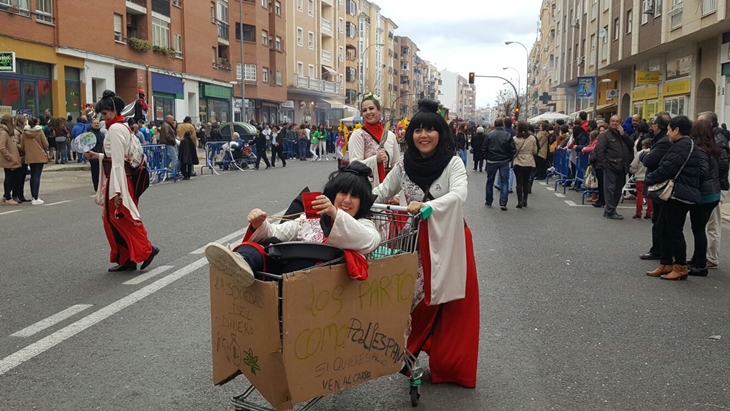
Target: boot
230,262
593,198
679,272
660,271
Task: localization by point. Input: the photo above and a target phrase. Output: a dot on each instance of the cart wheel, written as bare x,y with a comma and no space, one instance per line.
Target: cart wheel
415,395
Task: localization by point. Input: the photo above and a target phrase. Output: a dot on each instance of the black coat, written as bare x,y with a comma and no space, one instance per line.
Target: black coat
499,146
260,140
187,152
581,141
724,160
614,152
476,146
687,183
461,142
659,148
711,184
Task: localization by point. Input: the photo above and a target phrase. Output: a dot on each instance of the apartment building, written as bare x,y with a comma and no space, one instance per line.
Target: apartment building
405,57
316,32
647,55
389,86
137,44
458,96
352,65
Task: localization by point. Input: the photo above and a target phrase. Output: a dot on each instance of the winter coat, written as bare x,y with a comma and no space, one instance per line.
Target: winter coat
167,135
614,152
9,153
526,151
461,142
542,138
35,144
476,145
188,152
80,127
260,143
724,160
659,148
687,183
499,146
628,126
710,186
581,141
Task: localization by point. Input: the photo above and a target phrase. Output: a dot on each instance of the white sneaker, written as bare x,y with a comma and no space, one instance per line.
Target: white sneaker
37,201
229,262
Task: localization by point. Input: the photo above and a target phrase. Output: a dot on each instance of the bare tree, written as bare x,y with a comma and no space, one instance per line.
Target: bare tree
506,102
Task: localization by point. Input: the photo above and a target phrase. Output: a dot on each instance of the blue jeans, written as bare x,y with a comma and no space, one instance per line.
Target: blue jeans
511,180
302,146
463,153
504,172
172,159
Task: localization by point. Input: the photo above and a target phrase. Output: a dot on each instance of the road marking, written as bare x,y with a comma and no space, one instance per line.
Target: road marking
146,276
561,195
573,204
550,188
238,233
543,183
43,345
11,212
51,321
57,203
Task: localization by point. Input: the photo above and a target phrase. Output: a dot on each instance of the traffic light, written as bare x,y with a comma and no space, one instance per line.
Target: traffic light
517,112
471,78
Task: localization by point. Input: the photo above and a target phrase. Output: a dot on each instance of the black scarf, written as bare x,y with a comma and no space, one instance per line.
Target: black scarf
424,171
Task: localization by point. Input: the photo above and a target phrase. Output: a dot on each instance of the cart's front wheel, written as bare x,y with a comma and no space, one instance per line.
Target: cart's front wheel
415,395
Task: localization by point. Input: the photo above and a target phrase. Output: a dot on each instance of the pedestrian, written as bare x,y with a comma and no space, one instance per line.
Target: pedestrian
140,107
314,143
476,148
499,150
187,155
184,127
542,155
145,132
97,149
462,142
524,162
687,165
19,187
81,126
638,169
9,158
597,195
277,146
614,154
260,141
371,144
660,146
302,141
61,136
200,134
167,137
35,144
445,308
580,140
710,193
322,139
123,225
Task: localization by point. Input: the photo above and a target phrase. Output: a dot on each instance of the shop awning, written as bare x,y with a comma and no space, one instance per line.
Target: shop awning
330,70
599,109
334,104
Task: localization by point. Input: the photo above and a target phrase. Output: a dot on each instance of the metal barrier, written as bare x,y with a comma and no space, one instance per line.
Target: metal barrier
560,167
158,164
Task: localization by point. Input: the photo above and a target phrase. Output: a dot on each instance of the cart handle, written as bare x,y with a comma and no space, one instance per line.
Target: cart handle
423,214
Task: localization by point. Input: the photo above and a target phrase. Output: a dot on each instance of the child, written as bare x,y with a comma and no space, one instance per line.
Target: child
341,222
639,170
339,145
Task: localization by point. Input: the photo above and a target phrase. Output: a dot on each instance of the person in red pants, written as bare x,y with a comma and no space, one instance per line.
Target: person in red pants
639,171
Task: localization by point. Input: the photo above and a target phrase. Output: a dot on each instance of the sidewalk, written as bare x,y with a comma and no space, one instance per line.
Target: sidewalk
74,166
726,213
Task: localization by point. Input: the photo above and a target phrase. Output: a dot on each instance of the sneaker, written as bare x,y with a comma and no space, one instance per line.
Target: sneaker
230,263
37,201
711,265
503,208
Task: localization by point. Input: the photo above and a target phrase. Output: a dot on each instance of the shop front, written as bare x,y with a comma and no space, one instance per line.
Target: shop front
646,101
676,97
165,91
27,88
215,103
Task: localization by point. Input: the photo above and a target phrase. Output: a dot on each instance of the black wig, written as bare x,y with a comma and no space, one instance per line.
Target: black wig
353,179
429,118
110,102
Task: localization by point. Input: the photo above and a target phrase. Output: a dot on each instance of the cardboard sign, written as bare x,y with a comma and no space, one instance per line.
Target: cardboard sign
336,332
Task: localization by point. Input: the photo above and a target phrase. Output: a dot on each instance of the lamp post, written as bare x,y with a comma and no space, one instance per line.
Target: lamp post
243,66
598,43
527,73
362,66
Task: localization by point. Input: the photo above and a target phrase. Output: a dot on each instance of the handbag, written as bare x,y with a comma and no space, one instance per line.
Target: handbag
663,191
590,181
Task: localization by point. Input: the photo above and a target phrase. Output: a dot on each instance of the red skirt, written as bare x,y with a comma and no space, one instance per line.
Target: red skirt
449,332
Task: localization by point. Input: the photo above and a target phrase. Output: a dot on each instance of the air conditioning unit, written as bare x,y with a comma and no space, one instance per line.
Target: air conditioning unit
647,6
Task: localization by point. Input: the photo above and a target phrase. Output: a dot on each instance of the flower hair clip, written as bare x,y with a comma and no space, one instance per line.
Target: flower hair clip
369,95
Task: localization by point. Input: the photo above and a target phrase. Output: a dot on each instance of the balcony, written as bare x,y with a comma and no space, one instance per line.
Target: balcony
326,27
222,64
326,56
675,16
137,6
323,86
223,32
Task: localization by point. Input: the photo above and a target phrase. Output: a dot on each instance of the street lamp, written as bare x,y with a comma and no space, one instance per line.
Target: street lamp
362,66
527,73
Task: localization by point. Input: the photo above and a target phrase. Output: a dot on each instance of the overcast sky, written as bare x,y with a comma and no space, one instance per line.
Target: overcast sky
469,35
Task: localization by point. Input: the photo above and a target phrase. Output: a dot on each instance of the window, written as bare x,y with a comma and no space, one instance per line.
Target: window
178,46
249,32
278,78
300,6
160,32
644,16
340,27
616,28
310,10
311,71
657,8
341,54
300,68
22,6
675,106
310,42
265,74
300,37
593,49
238,71
177,3
215,55
605,5
44,10
639,108
278,43
264,37
264,3
604,42
277,8
118,28
223,11
629,21
250,72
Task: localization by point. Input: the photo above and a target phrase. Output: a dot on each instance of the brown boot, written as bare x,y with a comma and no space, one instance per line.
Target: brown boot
660,271
593,198
679,272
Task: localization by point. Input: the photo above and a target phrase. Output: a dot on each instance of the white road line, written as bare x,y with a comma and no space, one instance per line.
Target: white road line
51,321
146,276
543,183
43,345
238,233
57,203
561,195
11,212
550,188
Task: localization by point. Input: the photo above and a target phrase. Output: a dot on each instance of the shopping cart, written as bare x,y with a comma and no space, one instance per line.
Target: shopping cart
400,236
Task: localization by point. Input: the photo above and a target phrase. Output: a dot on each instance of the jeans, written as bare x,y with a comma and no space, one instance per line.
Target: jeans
302,148
714,232
671,221
463,153
323,149
9,182
522,175
699,215
62,153
35,179
173,160
511,179
277,150
613,184
313,150
19,185
502,168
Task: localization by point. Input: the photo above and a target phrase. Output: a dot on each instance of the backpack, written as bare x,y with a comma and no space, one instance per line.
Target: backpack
135,155
136,166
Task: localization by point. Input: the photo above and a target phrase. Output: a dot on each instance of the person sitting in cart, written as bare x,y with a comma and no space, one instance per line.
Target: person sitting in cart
341,209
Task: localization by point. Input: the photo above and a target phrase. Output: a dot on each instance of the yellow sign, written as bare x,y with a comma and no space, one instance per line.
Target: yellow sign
644,93
647,77
675,88
6,110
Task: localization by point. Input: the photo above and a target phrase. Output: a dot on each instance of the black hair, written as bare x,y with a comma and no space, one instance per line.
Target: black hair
109,102
662,120
429,118
683,123
353,179
371,97
583,116
507,122
560,122
592,124
578,130
498,123
564,129
642,127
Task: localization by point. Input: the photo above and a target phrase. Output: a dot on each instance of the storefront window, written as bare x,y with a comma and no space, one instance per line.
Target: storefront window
219,110
164,106
639,109
651,108
10,93
73,99
203,110
29,96
675,105
45,99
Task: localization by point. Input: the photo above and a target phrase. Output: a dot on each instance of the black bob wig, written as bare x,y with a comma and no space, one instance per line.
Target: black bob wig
353,179
429,118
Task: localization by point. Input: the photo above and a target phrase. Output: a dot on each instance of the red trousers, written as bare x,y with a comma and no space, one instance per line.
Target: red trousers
449,332
127,237
640,200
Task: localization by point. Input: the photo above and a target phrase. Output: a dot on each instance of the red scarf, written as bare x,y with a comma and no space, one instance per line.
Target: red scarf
115,120
376,130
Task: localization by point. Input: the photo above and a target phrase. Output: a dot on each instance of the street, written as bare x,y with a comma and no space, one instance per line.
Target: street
569,321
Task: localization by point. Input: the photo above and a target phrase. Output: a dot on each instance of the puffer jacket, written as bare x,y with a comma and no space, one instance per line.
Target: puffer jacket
724,160
687,183
710,186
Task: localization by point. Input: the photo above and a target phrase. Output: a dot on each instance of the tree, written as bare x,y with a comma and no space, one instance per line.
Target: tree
505,102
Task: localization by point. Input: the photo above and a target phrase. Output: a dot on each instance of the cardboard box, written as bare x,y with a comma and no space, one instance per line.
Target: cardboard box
335,332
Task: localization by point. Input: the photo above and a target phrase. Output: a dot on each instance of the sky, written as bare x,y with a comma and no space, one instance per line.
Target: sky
468,36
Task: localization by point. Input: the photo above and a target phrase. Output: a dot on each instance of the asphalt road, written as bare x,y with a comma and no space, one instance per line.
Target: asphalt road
569,320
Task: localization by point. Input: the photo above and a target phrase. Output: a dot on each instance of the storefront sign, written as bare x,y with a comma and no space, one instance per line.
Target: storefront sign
676,88
647,77
6,110
213,91
7,62
644,93
586,87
